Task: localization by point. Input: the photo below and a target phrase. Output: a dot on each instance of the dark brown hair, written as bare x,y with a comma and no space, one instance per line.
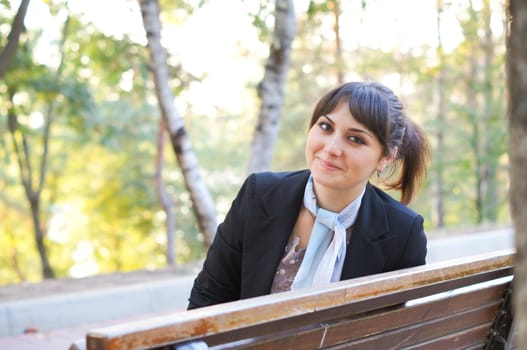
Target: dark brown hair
381,112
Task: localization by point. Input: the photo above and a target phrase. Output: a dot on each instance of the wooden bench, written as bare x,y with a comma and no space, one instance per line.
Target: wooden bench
456,304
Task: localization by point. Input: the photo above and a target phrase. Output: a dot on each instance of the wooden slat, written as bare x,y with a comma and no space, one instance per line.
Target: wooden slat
366,325
362,293
473,338
424,332
293,338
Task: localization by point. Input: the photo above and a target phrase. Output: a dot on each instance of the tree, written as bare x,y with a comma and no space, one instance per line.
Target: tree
517,117
486,139
334,5
163,195
202,201
471,104
440,125
491,144
271,88
33,179
33,189
9,51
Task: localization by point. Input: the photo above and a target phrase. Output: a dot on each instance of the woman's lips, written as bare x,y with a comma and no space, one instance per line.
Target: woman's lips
328,165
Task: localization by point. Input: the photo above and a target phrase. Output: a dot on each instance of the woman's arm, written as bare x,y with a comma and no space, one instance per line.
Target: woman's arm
414,252
219,280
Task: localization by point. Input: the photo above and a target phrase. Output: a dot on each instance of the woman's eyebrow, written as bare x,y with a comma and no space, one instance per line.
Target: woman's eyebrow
360,130
364,131
328,118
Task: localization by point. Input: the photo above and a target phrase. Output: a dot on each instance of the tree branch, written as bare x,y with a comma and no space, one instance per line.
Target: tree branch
9,51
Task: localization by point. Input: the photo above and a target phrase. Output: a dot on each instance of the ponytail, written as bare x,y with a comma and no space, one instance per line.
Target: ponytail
413,156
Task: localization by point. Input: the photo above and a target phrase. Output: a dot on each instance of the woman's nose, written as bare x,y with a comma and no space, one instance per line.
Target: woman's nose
333,145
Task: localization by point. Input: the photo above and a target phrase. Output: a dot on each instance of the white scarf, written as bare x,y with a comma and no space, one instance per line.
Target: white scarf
325,253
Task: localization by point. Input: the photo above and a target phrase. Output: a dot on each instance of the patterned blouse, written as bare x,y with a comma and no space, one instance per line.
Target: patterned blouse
290,263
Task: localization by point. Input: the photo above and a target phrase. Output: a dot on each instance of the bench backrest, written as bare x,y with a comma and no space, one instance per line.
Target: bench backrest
442,305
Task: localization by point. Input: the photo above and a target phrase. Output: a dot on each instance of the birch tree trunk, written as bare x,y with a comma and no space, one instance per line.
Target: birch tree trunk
271,88
517,113
440,117
203,204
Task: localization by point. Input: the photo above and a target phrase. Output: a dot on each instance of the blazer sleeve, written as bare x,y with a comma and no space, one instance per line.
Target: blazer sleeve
219,280
415,249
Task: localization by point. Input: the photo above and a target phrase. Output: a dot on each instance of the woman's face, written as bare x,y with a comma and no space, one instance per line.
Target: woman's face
341,153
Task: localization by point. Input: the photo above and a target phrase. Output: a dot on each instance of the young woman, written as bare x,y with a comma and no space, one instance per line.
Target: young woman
292,230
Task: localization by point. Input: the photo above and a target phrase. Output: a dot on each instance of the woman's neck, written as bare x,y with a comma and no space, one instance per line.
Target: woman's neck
333,199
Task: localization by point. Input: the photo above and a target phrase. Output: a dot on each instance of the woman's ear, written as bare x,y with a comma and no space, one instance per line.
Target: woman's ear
387,160
393,154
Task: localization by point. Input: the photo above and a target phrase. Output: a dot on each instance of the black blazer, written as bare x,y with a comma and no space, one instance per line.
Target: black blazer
249,244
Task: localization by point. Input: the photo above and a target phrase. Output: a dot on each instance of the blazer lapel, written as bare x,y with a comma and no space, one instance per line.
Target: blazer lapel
270,227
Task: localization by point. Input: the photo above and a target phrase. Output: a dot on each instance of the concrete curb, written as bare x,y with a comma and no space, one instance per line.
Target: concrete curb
458,246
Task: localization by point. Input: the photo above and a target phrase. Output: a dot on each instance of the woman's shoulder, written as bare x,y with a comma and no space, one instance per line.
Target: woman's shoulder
279,182
273,177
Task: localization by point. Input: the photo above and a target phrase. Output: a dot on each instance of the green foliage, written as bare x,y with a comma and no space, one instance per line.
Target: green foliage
99,203
264,12
180,10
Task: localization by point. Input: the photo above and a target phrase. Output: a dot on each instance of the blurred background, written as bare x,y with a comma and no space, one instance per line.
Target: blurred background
91,180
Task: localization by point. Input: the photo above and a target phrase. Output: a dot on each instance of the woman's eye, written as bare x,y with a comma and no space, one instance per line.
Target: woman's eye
357,140
325,126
